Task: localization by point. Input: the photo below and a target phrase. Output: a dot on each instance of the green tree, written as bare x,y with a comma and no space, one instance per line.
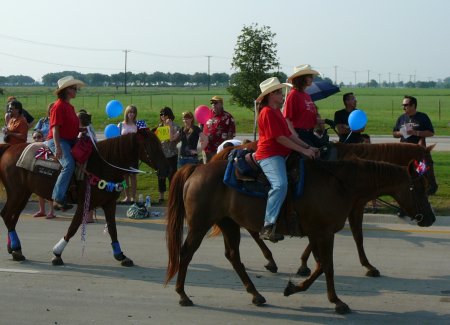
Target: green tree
255,57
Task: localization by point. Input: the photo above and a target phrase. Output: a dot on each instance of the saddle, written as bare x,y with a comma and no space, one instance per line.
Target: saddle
38,158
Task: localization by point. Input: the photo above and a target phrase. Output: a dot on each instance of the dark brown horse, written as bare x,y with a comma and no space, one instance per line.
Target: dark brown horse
396,153
342,184
123,152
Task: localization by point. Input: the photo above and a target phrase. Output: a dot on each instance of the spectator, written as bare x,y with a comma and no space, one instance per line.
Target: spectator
218,128
275,143
413,126
169,148
25,113
299,110
341,120
38,136
43,124
64,126
128,125
189,136
16,130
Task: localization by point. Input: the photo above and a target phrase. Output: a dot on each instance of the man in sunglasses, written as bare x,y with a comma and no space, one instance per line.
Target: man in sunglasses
218,128
413,126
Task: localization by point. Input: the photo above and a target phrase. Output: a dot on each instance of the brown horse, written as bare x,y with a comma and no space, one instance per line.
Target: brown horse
396,153
348,184
123,152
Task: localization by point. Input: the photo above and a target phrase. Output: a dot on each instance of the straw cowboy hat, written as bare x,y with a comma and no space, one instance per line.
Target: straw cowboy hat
302,70
270,85
68,81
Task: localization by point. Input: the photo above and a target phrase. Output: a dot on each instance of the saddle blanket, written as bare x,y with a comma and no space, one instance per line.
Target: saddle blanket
42,165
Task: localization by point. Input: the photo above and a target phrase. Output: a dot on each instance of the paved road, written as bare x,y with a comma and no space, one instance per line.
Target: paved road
94,289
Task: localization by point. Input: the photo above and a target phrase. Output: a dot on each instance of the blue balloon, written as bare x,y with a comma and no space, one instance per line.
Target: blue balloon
112,131
114,108
357,120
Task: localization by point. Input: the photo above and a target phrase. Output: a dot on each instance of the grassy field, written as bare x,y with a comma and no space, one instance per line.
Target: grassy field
381,105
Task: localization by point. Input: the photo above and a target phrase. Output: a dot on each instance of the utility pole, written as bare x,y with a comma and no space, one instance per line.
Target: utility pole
209,75
355,77
379,80
335,74
389,79
368,78
126,55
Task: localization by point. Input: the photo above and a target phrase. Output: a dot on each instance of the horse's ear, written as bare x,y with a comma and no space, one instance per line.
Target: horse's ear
430,148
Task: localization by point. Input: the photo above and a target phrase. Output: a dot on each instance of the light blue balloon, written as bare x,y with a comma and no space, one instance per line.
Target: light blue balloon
357,120
114,108
112,131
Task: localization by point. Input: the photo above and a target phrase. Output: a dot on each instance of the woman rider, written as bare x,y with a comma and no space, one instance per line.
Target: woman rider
275,143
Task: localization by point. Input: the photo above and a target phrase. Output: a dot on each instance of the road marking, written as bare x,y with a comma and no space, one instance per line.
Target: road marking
18,271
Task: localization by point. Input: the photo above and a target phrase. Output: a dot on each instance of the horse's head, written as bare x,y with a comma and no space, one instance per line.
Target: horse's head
151,153
415,201
431,178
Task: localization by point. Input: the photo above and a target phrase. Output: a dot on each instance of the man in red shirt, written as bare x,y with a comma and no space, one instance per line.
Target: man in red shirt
275,143
218,128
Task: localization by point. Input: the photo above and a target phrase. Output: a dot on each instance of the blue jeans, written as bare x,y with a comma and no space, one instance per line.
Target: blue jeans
187,160
68,166
275,170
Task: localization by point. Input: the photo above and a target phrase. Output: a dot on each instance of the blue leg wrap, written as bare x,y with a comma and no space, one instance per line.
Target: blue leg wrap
116,248
14,239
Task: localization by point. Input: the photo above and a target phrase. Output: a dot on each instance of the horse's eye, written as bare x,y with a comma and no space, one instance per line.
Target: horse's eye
411,188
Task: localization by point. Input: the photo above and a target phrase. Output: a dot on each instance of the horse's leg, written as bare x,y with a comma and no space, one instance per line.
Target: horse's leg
323,251
355,222
304,270
271,265
191,244
11,213
73,227
232,238
110,216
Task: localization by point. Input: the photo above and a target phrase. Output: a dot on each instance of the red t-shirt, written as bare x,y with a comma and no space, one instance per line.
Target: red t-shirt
271,125
63,114
300,109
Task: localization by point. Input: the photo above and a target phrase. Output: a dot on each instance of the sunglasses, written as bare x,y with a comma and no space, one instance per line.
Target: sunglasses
36,137
406,105
214,102
74,88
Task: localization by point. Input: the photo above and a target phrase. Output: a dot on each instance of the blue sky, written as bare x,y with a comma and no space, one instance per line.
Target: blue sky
347,39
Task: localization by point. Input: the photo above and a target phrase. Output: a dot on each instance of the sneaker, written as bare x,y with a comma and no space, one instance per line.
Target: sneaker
61,206
268,233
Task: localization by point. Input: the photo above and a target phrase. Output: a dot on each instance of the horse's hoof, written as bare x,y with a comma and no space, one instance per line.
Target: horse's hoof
258,300
186,302
373,273
57,260
18,256
342,308
290,289
271,267
126,262
304,271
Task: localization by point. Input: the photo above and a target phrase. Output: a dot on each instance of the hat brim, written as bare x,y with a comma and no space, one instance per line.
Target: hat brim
271,89
302,73
78,83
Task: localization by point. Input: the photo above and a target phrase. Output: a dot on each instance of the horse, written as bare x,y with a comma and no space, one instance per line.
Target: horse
105,170
396,153
348,184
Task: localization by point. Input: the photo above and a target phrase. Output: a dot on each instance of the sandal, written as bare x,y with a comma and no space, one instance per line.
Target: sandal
50,216
38,214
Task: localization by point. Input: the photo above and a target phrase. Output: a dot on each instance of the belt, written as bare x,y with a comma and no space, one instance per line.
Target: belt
305,130
193,156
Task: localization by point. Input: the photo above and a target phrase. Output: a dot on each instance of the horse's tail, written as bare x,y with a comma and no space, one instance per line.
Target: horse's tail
175,219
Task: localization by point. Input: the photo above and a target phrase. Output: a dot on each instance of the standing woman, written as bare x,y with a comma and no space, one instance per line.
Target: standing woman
17,129
128,125
169,148
299,109
275,143
189,136
64,126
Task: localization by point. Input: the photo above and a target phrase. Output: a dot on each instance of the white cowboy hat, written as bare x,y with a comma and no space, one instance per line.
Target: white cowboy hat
302,70
68,81
270,85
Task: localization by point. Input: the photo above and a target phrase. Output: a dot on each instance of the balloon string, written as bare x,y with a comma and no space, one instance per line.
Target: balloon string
348,136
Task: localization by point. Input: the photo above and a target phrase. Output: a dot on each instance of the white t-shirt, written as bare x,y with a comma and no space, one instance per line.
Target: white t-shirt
235,142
